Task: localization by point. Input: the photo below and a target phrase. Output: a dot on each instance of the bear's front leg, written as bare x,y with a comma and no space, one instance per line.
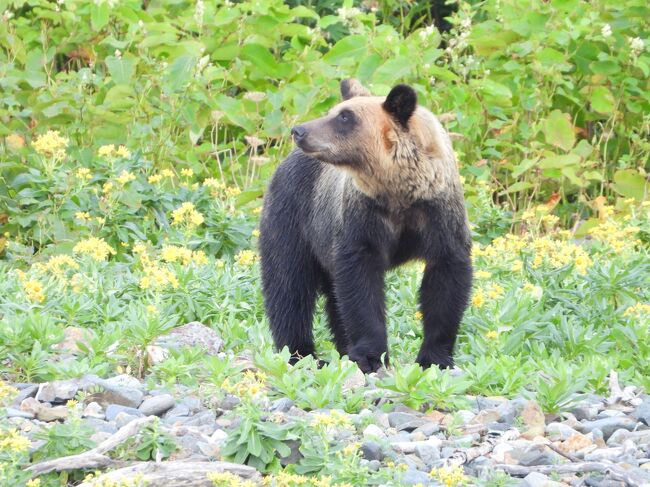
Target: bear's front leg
444,294
359,288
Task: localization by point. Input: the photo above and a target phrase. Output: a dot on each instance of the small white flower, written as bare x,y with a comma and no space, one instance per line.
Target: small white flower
465,24
140,24
427,32
117,53
203,62
199,10
637,45
606,31
7,15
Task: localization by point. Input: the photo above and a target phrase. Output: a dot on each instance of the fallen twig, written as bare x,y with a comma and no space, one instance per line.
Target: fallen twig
462,457
633,477
173,474
95,458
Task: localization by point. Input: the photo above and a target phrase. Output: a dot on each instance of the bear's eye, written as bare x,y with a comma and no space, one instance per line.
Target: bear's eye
344,116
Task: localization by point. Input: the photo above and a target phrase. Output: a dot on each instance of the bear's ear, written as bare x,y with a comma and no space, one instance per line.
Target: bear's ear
400,104
351,87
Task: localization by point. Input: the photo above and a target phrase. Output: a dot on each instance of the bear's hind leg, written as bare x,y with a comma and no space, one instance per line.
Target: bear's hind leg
290,278
444,294
335,322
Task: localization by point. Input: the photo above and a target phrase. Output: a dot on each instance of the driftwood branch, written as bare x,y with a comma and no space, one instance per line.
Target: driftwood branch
633,477
95,458
173,474
462,457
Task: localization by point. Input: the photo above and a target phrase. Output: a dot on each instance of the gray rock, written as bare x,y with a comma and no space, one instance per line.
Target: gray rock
373,431
100,425
642,412
122,419
29,390
230,402
124,380
407,447
193,403
17,413
428,453
397,419
372,451
57,391
584,412
609,413
93,410
100,436
559,431
203,418
114,409
374,465
539,455
56,413
123,390
609,425
509,410
618,437
295,456
428,429
193,334
281,405
412,425
157,405
535,479
413,477
180,410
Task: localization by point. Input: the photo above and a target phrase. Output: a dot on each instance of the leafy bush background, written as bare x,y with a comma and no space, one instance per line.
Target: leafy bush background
551,98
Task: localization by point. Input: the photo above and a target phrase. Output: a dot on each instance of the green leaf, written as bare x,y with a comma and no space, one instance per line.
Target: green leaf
602,100
605,67
180,72
559,162
630,184
558,130
393,70
99,15
516,187
121,69
351,46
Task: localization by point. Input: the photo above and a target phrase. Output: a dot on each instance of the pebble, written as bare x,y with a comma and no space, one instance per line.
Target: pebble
372,450
409,446
49,414
281,405
533,420
373,431
17,413
93,410
428,453
609,425
559,431
397,419
411,425
157,405
57,391
642,412
535,479
415,477
114,409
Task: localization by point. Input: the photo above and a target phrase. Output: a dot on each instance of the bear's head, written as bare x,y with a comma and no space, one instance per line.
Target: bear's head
391,146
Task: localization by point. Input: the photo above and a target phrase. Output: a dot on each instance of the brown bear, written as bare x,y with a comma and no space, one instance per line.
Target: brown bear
372,185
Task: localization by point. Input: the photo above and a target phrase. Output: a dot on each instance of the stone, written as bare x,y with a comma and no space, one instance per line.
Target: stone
609,425
500,450
295,456
180,410
125,381
584,412
230,402
56,413
533,420
157,405
100,436
396,419
100,425
576,443
417,437
509,410
203,418
415,477
374,465
193,334
536,479
435,417
373,431
609,413
372,450
354,381
122,419
411,425
219,436
487,416
114,409
72,337
408,447
123,390
17,413
539,455
156,354
281,405
428,429
57,391
93,410
30,405
29,390
428,453
642,411
559,431
609,454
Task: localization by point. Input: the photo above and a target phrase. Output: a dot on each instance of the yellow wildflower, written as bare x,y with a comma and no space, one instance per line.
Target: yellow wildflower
492,335
517,266
151,309
187,215
418,315
256,233
257,211
639,309
125,177
155,178
71,403
106,150
535,292
187,172
107,187
167,173
7,391
481,274
97,248
33,483
232,191
219,264
246,258
157,277
58,264
227,479
51,144
34,291
122,151
351,449
139,248
478,299
13,442
449,476
83,173
495,291
82,215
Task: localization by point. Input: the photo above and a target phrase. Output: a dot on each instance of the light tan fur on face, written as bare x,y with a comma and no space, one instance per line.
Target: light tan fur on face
401,166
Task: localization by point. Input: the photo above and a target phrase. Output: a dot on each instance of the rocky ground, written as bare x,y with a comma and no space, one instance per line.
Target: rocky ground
598,441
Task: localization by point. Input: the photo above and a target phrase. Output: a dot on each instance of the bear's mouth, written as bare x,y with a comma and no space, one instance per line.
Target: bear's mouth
310,148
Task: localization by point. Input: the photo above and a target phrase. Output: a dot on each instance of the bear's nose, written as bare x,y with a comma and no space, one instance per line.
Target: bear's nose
298,132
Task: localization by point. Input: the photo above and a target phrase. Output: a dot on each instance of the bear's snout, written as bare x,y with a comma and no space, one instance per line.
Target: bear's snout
298,132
